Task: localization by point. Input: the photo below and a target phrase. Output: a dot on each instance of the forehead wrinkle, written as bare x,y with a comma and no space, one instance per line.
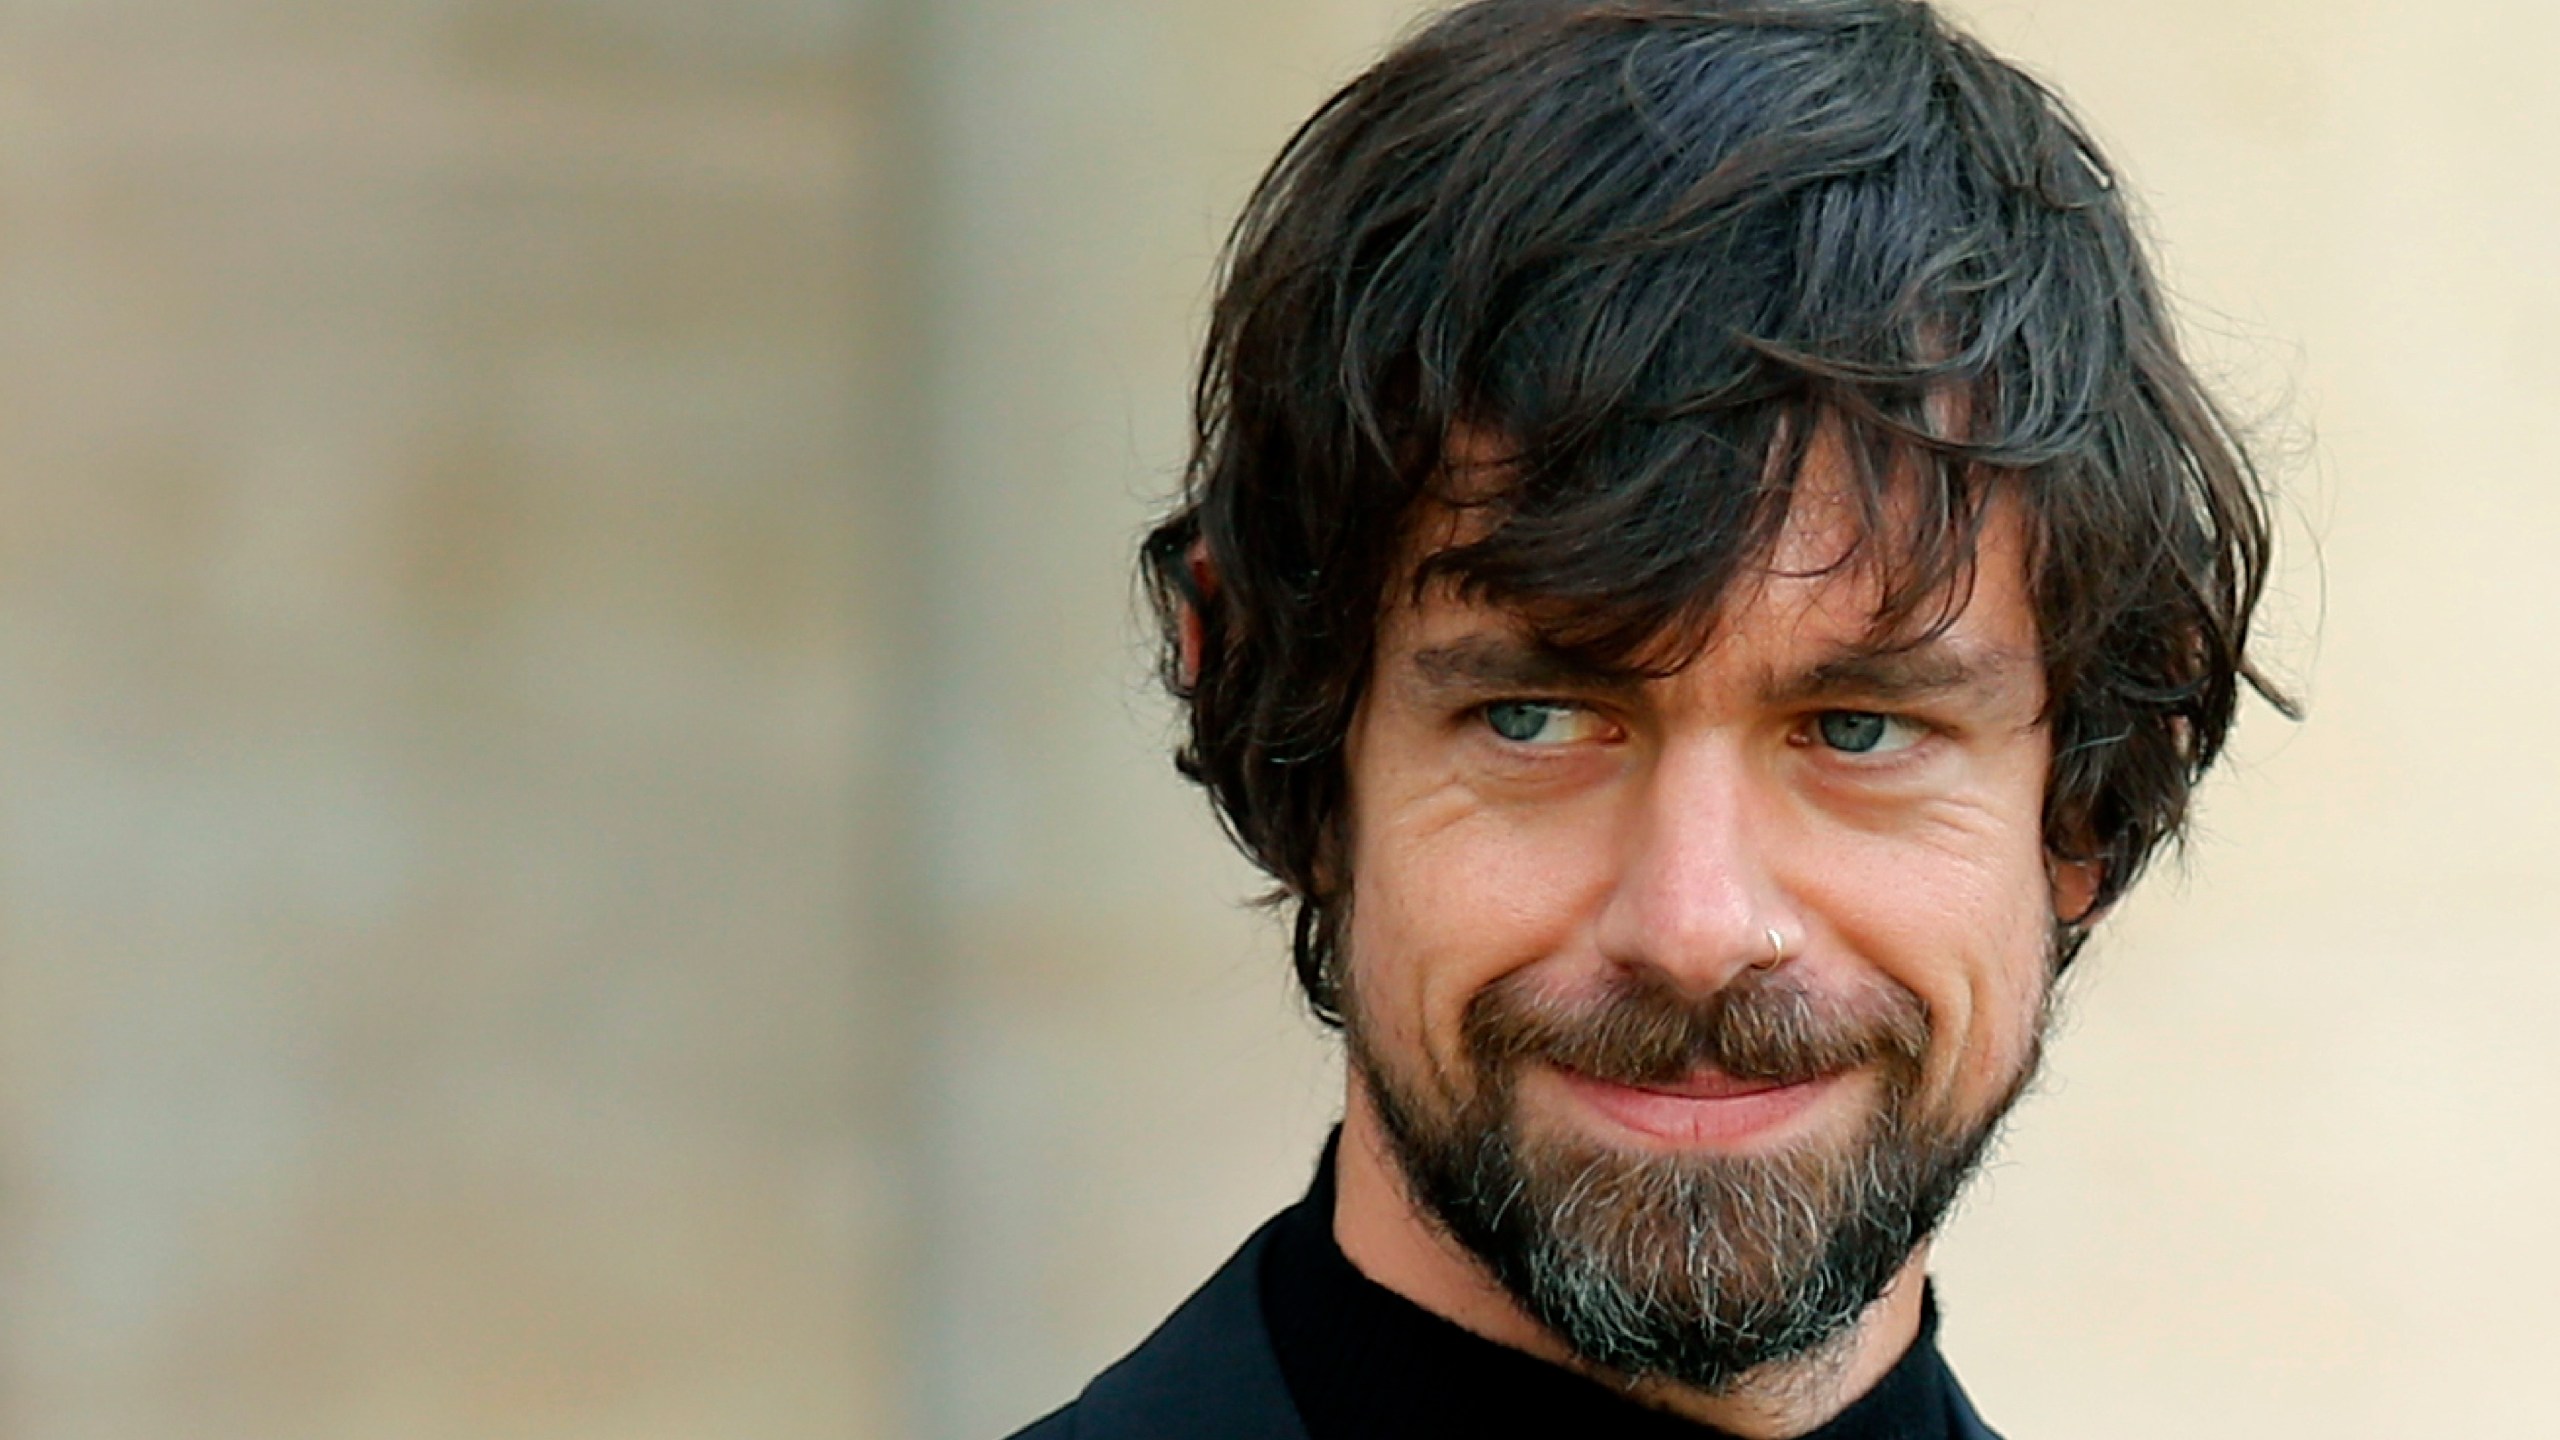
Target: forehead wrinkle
1843,516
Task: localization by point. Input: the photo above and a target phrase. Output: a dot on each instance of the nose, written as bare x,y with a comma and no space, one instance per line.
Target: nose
1696,897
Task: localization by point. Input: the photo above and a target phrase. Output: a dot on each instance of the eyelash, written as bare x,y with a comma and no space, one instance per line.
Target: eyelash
1809,732
1482,716
1806,733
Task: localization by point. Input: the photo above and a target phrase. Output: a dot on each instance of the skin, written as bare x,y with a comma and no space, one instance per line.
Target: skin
1667,825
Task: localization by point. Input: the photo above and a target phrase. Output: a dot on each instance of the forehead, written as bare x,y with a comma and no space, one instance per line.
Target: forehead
1843,571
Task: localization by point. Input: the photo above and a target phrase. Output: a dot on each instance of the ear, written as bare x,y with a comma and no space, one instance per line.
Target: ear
2075,888
1191,630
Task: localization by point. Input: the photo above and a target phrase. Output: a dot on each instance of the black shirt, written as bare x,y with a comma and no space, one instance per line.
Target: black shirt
1364,1363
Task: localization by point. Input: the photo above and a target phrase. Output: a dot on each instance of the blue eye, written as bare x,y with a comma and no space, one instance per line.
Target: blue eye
1519,721
1537,722
1864,732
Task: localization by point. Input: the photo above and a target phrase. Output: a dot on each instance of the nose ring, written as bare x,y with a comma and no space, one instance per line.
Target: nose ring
1777,950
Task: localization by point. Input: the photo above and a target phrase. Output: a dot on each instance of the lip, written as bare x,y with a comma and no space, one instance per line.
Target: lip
1704,1110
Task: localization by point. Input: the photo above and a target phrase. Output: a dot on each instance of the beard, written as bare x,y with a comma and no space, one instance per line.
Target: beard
1692,1268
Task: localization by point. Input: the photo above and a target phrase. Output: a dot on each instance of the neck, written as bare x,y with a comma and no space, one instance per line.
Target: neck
1388,1236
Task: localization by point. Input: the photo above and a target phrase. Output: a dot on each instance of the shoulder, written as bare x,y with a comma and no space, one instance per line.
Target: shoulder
1058,1424
1964,1422
1207,1373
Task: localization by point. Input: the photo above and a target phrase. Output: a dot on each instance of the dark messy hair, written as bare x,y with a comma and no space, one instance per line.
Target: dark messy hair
1656,247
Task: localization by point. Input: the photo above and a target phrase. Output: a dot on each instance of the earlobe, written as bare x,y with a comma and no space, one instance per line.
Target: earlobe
2075,889
1192,637
1191,629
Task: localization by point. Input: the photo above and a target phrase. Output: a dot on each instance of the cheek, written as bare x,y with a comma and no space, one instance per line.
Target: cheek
1961,915
1450,894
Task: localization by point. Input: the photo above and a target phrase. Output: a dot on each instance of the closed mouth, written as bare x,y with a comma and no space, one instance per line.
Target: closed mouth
1701,1108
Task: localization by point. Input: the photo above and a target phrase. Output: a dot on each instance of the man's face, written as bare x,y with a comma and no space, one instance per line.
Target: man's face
1687,1004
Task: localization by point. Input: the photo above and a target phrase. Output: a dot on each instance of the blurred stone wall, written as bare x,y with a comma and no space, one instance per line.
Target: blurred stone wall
435,683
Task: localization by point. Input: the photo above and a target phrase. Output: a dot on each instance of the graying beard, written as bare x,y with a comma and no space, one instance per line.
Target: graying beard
1640,1266
1703,1273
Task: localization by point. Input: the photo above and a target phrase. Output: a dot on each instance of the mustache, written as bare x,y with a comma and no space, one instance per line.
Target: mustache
1644,1030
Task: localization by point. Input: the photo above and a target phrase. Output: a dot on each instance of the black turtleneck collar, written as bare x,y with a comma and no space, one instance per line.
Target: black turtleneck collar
1364,1363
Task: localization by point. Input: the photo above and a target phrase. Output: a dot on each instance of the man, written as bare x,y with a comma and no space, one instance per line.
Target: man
1702,576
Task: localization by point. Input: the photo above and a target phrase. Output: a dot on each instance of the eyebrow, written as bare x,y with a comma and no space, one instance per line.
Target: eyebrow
1509,662
1899,674
1885,674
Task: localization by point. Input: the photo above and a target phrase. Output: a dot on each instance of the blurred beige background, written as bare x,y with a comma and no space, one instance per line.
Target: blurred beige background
584,843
